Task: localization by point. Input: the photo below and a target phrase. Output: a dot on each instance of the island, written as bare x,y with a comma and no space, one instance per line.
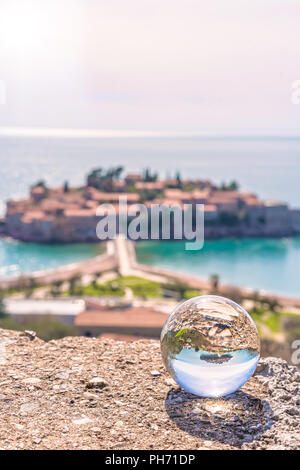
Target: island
69,214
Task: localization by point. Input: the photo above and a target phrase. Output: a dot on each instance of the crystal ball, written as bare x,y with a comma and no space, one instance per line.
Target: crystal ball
210,346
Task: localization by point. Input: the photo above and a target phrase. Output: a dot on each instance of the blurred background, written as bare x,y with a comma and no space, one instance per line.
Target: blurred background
200,89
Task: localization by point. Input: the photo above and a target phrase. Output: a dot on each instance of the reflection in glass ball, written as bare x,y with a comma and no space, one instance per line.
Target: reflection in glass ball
210,346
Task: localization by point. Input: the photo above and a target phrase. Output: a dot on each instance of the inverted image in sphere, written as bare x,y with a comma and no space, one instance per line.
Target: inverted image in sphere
210,346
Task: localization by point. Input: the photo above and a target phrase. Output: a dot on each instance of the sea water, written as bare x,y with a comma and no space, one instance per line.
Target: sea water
212,375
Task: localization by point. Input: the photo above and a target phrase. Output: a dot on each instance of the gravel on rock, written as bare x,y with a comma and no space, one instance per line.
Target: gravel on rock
104,394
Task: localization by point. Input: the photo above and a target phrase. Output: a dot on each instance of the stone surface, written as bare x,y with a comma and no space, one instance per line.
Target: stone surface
45,403
97,382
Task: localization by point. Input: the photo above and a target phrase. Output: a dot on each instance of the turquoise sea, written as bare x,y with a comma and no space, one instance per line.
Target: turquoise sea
17,257
269,264
207,379
269,167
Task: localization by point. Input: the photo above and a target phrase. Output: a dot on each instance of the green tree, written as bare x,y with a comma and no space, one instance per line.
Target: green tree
178,286
232,186
50,328
179,180
273,304
40,184
56,288
31,285
150,177
104,180
3,313
74,284
215,281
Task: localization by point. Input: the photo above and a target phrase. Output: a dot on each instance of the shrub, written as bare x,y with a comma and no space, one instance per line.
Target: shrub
47,328
140,287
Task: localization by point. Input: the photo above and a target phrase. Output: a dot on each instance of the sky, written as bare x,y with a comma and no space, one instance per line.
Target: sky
168,66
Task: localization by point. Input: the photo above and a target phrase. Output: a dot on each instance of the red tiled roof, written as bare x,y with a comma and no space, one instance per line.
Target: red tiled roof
119,184
71,198
134,316
133,176
114,197
225,195
177,194
17,207
51,204
221,200
165,201
147,185
37,190
36,214
170,181
91,204
201,194
80,213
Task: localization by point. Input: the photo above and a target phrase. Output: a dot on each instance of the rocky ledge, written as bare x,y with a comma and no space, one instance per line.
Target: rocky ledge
81,393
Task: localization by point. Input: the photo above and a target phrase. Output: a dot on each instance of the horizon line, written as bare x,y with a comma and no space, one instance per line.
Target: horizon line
48,132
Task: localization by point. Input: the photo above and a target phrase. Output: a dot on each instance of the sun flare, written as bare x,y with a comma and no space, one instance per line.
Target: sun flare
21,26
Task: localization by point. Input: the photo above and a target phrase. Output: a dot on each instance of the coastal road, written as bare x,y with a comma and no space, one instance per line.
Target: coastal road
120,257
104,262
127,265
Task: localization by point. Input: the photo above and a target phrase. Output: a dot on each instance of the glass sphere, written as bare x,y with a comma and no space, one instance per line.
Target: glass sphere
210,346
